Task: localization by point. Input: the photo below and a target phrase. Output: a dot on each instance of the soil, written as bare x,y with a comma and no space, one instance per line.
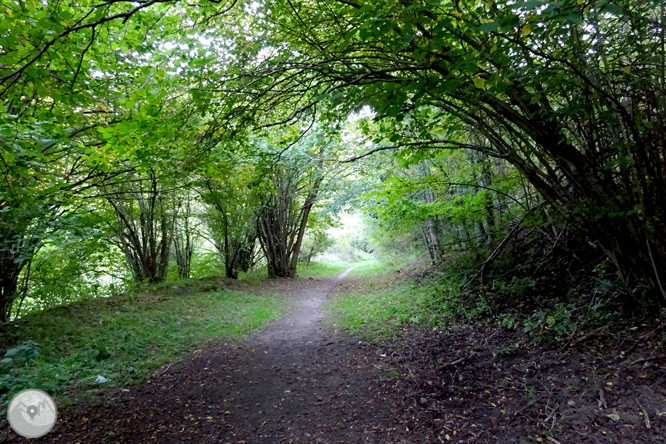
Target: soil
300,381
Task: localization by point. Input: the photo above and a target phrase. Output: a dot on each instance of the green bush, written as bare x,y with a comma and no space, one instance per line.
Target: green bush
556,323
73,270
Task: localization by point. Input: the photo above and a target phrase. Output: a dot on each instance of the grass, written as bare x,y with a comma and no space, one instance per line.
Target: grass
257,275
123,339
385,302
315,269
371,267
383,308
376,267
319,269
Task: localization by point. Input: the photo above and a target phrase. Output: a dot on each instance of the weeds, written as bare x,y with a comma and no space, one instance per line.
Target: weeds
385,309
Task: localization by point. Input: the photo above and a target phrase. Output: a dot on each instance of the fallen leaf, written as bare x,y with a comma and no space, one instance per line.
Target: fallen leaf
614,416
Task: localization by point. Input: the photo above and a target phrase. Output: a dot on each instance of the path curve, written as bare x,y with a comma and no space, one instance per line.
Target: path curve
303,322
298,381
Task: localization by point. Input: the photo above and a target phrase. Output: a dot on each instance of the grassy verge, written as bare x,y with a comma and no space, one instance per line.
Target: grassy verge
384,310
385,302
315,269
121,339
371,267
257,275
319,269
375,267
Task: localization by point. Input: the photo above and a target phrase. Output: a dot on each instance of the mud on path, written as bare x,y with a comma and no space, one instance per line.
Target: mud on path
298,381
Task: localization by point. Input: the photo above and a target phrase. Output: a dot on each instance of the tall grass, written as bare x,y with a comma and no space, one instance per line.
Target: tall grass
385,302
377,266
319,269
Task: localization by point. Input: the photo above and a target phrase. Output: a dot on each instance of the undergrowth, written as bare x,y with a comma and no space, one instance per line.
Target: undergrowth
519,298
313,270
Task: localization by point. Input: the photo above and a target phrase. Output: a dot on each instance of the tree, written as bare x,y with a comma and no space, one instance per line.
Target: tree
316,239
64,36
291,182
283,215
75,263
183,236
75,107
230,216
43,168
571,94
447,198
144,226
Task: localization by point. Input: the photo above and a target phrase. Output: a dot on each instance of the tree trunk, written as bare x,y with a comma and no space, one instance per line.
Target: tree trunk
301,232
282,220
8,286
13,259
183,247
145,228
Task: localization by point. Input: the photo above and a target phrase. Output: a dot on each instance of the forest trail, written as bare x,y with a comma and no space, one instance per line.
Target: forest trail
300,381
295,381
303,323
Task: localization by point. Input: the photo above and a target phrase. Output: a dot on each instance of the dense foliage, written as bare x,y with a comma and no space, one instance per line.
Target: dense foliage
151,135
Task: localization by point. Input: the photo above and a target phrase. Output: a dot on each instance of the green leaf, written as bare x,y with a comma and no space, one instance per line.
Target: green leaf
527,6
489,27
437,43
614,9
479,82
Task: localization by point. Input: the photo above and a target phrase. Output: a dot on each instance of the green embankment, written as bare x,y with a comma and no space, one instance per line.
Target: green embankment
381,311
122,339
385,301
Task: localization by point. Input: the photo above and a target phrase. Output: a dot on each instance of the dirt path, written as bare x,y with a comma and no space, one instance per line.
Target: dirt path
298,381
303,323
293,382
